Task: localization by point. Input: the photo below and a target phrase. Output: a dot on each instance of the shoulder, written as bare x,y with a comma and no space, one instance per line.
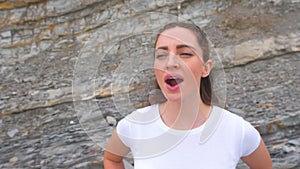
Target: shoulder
234,122
231,118
138,124
227,115
242,130
143,115
140,116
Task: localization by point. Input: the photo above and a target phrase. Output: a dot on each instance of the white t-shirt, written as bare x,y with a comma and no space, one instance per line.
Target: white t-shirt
156,146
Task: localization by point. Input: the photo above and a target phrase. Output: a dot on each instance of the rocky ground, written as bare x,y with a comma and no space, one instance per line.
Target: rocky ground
41,126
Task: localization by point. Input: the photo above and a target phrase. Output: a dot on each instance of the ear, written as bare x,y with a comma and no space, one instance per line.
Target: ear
207,68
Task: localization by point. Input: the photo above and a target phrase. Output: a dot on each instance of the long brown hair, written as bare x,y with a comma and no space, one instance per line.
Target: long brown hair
205,85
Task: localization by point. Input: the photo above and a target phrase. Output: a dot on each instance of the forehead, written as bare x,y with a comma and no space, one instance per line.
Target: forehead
177,35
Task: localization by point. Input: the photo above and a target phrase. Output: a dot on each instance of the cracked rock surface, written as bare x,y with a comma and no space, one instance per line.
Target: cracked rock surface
42,123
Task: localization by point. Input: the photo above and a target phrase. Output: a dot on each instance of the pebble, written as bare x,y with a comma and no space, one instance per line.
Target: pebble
127,164
13,160
111,120
11,133
34,92
30,79
288,149
275,2
295,142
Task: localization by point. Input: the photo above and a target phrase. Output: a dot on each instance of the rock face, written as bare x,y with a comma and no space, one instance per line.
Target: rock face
71,69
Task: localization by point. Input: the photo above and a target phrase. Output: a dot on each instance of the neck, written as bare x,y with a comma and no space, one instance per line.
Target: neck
184,115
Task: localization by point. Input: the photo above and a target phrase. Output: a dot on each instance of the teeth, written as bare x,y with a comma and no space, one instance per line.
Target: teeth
174,78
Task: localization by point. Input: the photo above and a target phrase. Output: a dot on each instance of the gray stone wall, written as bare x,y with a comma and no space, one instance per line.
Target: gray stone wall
64,65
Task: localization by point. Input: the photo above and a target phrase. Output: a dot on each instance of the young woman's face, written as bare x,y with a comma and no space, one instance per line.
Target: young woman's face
178,63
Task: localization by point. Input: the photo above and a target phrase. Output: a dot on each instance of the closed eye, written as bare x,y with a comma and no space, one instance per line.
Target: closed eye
185,54
160,55
161,52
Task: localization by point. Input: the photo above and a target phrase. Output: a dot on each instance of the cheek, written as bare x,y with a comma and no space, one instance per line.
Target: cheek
158,69
158,74
195,70
158,64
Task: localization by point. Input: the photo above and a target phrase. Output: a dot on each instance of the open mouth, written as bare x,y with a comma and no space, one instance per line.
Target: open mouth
172,81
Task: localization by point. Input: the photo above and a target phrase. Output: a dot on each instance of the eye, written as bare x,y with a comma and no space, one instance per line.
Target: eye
186,54
160,55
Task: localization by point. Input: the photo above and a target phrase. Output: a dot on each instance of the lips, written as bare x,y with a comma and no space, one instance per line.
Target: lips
173,81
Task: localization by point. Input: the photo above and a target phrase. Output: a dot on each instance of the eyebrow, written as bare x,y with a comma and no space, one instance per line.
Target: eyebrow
184,46
162,47
177,47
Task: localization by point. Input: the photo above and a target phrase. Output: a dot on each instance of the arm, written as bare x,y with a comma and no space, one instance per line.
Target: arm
260,158
114,153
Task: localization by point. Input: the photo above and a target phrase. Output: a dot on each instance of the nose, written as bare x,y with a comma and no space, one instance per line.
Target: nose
172,62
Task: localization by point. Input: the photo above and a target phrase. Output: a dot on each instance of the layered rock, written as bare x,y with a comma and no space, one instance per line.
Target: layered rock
59,103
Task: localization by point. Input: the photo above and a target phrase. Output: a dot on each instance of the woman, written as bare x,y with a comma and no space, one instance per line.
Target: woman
186,131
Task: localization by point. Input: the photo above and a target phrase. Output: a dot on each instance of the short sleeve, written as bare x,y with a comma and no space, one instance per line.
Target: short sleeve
123,131
251,139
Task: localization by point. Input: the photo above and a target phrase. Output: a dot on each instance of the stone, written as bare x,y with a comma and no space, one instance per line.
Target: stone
127,164
54,93
295,142
34,93
257,49
11,133
111,120
13,160
30,79
288,149
275,2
